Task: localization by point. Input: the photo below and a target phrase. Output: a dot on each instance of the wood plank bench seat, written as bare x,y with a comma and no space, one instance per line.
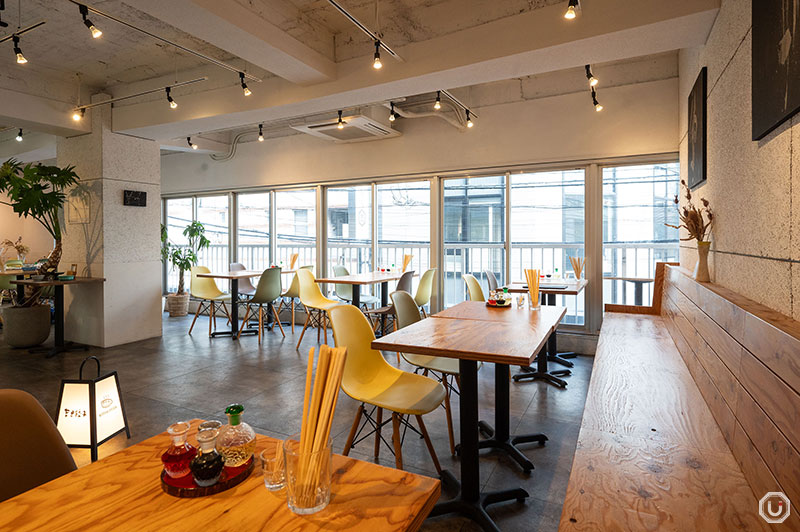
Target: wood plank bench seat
650,454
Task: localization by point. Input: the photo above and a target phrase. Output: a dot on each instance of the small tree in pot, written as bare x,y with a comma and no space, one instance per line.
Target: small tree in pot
37,191
183,258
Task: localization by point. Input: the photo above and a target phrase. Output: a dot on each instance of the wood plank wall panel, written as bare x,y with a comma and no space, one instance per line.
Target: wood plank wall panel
745,359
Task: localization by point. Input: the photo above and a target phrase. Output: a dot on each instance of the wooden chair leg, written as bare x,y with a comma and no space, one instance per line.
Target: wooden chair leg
378,433
225,308
244,321
429,444
199,308
424,314
398,451
308,317
352,436
211,317
448,414
278,321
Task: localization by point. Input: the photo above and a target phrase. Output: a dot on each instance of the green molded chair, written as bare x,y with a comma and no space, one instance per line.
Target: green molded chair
267,291
7,289
345,291
292,293
473,287
209,294
425,289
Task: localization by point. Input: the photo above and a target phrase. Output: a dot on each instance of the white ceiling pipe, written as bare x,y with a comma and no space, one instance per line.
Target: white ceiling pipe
439,114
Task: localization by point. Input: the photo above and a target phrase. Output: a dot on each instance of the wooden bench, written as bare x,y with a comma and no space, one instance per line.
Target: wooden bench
650,455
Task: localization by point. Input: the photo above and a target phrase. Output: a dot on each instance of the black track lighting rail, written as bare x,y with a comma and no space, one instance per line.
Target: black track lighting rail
372,35
151,91
22,31
459,103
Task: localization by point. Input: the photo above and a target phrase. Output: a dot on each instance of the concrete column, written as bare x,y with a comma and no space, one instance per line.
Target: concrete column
108,239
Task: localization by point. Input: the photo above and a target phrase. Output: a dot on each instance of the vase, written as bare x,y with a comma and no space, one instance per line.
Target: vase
701,274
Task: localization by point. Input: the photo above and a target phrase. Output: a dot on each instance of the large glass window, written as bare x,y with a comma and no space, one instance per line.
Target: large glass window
253,230
350,228
404,224
179,215
296,226
637,203
474,232
212,212
547,227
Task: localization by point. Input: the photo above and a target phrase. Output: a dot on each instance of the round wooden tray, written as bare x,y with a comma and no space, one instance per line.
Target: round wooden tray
186,488
499,306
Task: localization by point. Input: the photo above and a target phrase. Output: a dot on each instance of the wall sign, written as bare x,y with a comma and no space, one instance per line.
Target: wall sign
134,198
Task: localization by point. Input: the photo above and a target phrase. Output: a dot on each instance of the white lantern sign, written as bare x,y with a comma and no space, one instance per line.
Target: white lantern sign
90,412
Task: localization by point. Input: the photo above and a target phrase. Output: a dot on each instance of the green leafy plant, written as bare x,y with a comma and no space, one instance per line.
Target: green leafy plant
184,257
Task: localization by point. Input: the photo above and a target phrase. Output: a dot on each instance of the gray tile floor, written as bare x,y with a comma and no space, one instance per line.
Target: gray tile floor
179,377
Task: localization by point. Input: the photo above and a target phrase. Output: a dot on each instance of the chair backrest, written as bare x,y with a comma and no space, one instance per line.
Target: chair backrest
363,365
425,288
203,287
310,294
491,279
294,286
404,283
474,288
405,308
245,284
343,291
5,282
269,287
35,437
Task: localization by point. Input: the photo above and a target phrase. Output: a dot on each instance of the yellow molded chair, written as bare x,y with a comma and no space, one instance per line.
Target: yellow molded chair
369,379
315,304
425,289
292,293
474,288
207,291
408,313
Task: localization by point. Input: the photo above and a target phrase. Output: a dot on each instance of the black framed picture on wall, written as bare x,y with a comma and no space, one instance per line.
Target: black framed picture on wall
776,64
696,138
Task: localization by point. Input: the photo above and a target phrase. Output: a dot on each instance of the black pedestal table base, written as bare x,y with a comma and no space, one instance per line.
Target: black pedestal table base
541,373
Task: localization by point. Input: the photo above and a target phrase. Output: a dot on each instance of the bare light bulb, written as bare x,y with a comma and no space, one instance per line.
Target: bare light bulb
21,58
598,107
173,104
570,14
437,105
593,81
78,115
194,146
247,91
19,136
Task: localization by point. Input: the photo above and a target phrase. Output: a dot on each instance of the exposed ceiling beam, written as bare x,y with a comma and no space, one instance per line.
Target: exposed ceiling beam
34,148
234,28
203,145
40,114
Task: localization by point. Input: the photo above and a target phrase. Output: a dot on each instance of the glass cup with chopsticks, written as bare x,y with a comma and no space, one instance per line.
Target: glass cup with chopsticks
308,476
272,465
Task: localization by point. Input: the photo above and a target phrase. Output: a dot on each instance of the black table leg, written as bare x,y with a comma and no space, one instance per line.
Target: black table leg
554,356
471,502
541,373
384,304
499,434
59,346
20,291
357,295
638,293
234,332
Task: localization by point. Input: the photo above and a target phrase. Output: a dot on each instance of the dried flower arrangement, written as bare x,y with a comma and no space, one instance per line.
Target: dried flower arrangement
17,246
693,219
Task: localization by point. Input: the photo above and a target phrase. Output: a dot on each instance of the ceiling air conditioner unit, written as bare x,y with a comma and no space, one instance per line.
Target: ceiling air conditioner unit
370,124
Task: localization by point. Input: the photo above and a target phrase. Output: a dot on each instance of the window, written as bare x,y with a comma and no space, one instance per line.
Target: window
179,215
474,232
637,202
547,227
350,228
404,224
253,230
212,212
295,225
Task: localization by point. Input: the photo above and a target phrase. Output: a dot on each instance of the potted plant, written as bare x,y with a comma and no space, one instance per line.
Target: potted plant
35,191
698,223
182,258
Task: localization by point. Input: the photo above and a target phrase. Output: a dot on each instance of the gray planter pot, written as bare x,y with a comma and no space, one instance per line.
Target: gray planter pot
27,326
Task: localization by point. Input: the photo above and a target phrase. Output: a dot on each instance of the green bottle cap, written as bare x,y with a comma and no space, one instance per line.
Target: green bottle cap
234,413
505,290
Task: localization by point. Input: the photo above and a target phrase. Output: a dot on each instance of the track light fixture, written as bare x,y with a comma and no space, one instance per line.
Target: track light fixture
572,8
191,145
469,120
20,58
376,62
172,103
19,135
96,33
260,132
392,116
593,81
247,92
341,122
597,106
78,114
438,104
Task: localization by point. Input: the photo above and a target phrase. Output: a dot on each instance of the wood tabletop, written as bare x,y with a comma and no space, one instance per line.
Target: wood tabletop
56,282
17,271
123,492
573,287
544,316
487,341
363,278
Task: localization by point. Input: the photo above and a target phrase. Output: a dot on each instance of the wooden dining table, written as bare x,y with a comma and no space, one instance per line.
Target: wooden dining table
123,492
472,333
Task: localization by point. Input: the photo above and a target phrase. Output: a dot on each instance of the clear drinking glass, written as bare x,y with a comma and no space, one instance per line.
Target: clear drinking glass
308,476
521,301
272,465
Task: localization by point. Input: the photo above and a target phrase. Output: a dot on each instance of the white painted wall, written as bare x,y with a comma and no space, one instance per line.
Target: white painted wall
753,187
638,119
32,233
